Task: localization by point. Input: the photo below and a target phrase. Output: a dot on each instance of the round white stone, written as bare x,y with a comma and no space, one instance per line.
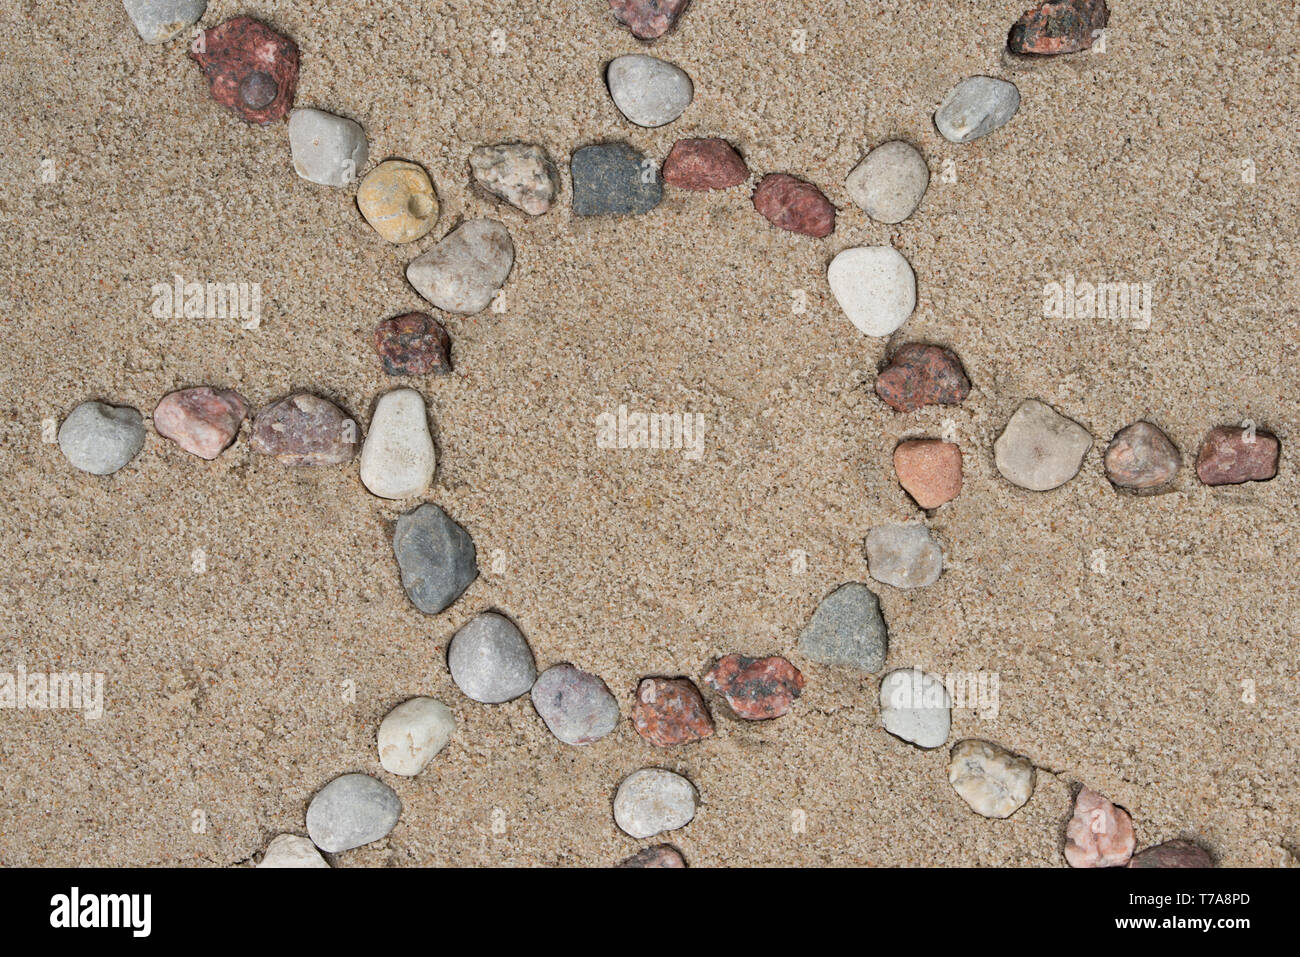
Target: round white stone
976,107
649,91
1040,449
290,850
875,287
890,182
327,149
915,707
412,733
992,780
653,800
398,458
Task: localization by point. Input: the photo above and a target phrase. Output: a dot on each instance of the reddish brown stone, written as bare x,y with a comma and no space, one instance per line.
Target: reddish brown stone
1061,26
304,429
670,711
661,855
413,344
648,19
1173,854
704,164
929,470
792,204
250,68
1231,455
756,688
1141,457
920,375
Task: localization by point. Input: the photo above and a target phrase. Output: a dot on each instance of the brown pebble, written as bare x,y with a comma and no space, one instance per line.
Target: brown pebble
414,343
929,470
250,68
756,688
648,19
703,164
661,855
670,711
920,375
1231,455
304,429
202,421
1173,854
1061,26
1141,457
792,204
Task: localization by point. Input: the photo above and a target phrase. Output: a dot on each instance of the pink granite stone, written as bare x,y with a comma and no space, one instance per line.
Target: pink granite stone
648,19
1099,834
756,688
202,421
1231,455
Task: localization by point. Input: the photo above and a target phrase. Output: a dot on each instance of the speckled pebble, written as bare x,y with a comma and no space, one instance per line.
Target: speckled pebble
847,629
661,855
1141,457
99,438
305,430
522,174
576,706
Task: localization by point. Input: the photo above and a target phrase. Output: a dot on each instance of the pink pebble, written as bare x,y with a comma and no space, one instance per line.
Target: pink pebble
1100,834
203,421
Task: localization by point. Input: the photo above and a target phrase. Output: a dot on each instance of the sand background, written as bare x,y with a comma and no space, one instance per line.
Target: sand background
228,691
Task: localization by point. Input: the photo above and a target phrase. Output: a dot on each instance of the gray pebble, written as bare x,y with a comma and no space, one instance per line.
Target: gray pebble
847,629
466,269
976,107
327,149
490,660
350,811
1040,449
890,182
613,179
157,21
576,706
905,556
436,557
99,438
648,91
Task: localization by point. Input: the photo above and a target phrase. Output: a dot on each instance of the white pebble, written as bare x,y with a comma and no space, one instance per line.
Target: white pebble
467,267
653,800
649,91
992,780
875,287
398,458
327,149
290,850
915,707
905,556
890,182
1040,449
976,107
412,733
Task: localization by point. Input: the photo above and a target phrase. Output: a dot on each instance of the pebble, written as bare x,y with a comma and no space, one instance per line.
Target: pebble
919,375
648,19
929,470
327,149
847,629
250,68
304,429
756,688
653,800
350,811
466,269
1173,854
412,733
890,182
1060,26
976,107
613,179
576,706
490,660
413,343
1040,449
1140,456
992,780
915,706
661,855
157,21
203,421
700,164
670,711
648,91
875,286
1099,834
904,556
792,204
522,174
436,557
1231,455
291,850
398,200
398,458
99,438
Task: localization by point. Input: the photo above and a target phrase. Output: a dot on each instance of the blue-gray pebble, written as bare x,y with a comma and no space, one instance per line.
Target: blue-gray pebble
613,179
847,629
436,557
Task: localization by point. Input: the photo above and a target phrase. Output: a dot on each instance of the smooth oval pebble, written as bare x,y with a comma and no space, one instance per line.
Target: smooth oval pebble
576,706
398,458
875,286
905,556
976,107
327,149
522,174
890,182
648,91
992,780
157,21
350,811
100,438
466,269
1040,449
412,733
915,706
490,660
652,800
305,430
398,200
291,850
203,421
436,557
1141,457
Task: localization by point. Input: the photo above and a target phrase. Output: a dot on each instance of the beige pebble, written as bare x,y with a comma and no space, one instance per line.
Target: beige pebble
397,198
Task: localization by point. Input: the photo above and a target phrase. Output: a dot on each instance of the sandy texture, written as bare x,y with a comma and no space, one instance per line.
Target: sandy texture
228,697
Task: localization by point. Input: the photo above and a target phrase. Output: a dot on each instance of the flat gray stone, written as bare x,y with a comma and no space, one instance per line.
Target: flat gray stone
905,556
436,557
576,706
1040,449
466,269
976,107
915,706
847,630
327,149
613,179
890,182
350,811
99,438
648,91
157,21
490,660
653,800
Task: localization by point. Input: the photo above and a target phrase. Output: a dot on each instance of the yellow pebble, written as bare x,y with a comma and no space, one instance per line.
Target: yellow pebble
398,200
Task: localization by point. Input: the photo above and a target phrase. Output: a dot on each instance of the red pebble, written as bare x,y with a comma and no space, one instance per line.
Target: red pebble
792,204
919,375
756,688
250,68
1231,455
670,711
704,164
413,344
648,19
1061,26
